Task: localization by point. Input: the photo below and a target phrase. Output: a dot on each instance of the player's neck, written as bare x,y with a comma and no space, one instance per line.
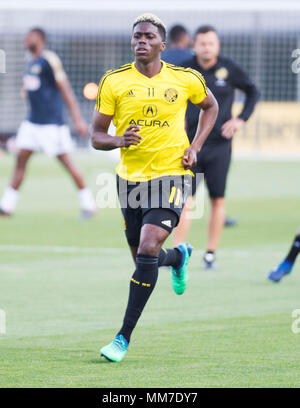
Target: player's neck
207,64
149,69
38,52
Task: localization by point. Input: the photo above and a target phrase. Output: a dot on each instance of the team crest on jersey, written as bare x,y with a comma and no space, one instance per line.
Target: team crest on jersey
31,83
171,95
221,74
150,111
35,69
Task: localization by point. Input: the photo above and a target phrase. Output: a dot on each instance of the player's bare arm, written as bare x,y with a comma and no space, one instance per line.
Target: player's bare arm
71,102
101,140
207,118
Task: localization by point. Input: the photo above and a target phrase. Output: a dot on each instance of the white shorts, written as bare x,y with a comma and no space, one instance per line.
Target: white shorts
53,140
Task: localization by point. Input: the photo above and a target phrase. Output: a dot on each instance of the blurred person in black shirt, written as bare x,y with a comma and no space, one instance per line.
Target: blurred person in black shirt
223,76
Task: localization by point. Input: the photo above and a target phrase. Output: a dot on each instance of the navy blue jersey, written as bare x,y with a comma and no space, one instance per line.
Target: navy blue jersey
222,79
45,100
176,56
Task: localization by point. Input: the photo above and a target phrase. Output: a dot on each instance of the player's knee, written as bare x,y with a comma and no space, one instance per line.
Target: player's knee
64,159
149,247
218,202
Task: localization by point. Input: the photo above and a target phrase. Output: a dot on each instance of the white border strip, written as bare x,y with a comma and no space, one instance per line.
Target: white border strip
135,5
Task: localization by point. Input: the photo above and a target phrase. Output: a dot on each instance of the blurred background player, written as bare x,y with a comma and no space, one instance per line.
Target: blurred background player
286,266
46,86
180,46
178,53
222,76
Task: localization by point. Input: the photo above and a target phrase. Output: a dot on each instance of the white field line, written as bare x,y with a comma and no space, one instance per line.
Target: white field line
97,251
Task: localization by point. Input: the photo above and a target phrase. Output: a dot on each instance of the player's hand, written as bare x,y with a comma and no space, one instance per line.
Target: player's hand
82,127
231,126
130,137
190,158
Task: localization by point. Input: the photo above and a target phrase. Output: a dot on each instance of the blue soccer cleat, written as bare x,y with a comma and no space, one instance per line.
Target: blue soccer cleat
284,268
116,350
179,276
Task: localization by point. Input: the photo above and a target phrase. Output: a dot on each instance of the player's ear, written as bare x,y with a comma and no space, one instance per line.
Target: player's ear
163,46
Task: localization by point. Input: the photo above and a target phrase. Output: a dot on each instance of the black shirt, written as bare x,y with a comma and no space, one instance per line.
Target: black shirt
222,79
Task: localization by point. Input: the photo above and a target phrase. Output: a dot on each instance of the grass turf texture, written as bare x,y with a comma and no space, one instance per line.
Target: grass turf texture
64,287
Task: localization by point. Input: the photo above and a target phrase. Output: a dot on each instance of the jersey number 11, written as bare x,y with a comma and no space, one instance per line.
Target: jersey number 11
150,92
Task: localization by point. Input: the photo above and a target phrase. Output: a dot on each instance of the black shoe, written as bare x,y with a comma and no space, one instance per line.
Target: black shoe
209,261
230,222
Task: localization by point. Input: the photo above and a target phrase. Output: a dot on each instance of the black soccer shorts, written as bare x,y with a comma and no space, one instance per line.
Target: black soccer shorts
158,202
214,162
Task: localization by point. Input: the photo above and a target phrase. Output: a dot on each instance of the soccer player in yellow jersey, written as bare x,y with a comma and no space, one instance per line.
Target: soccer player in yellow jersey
147,101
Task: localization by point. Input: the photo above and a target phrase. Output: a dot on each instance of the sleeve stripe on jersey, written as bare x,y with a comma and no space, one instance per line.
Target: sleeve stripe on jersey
112,71
55,64
176,68
196,73
99,90
171,65
108,73
200,77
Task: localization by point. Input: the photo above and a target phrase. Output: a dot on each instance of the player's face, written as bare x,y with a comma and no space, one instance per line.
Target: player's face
207,46
146,42
186,41
33,41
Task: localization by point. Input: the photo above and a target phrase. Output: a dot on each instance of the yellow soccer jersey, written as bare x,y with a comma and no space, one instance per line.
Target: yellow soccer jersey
158,106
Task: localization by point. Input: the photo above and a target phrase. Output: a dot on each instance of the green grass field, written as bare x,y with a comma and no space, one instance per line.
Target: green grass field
64,286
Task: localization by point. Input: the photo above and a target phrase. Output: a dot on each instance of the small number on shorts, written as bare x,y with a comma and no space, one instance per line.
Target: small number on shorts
172,195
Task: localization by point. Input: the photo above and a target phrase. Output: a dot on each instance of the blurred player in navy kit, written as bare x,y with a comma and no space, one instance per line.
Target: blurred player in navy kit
222,76
46,86
179,49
